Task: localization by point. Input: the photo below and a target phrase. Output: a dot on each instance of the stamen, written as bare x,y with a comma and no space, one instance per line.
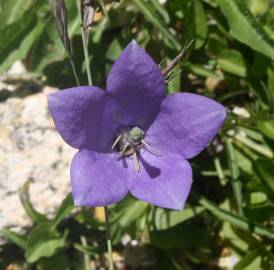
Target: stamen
123,152
127,153
116,141
129,143
136,162
151,149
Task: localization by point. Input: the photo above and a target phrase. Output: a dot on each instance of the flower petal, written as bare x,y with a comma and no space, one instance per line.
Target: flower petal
186,124
164,181
136,81
86,117
97,179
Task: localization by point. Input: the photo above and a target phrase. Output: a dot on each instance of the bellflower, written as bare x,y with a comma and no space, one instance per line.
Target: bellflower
133,137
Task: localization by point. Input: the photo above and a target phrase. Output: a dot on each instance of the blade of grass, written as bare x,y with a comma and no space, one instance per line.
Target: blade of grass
147,10
15,238
220,171
161,10
261,149
235,175
86,255
238,221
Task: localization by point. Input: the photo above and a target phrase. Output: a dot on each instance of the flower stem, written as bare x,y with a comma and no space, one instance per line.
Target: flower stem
85,47
74,71
108,238
84,41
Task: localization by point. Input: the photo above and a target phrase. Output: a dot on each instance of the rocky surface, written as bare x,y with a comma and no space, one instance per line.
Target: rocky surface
31,149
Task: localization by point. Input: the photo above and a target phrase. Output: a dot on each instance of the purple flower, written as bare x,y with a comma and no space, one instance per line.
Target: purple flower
133,137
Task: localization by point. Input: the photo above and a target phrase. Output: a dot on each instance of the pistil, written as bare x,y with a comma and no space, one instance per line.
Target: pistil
130,142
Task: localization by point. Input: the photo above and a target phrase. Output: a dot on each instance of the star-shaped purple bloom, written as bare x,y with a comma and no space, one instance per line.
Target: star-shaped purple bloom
133,137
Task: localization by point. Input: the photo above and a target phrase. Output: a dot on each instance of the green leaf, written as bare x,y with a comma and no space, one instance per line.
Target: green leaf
258,7
270,82
64,210
161,10
251,261
128,211
17,38
237,244
196,22
257,198
235,173
215,44
35,216
267,128
185,235
148,11
264,168
257,147
232,62
12,11
269,21
202,71
162,219
259,66
211,2
245,28
43,242
58,262
13,33
244,161
90,250
238,221
15,238
114,50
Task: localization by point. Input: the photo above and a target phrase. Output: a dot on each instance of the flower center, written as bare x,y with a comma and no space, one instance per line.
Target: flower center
129,142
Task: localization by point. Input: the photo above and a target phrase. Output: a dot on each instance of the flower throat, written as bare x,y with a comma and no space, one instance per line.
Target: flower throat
129,143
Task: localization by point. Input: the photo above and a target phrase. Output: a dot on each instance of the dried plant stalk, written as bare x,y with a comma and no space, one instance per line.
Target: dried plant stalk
88,12
177,60
60,14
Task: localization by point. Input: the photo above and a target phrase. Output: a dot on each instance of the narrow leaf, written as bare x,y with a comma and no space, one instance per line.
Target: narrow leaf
15,238
64,210
162,219
264,168
238,221
245,28
35,216
196,22
12,11
235,174
149,13
232,62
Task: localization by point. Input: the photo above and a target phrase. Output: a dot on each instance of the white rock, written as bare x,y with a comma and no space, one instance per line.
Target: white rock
31,149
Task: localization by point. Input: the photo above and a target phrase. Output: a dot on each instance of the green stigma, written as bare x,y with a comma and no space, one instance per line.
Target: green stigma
136,134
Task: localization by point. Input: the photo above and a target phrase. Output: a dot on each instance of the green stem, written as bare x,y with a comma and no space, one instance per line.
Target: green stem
219,170
235,175
86,256
84,41
74,71
108,238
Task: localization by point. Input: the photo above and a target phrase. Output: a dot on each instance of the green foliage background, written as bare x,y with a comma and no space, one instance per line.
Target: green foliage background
230,209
